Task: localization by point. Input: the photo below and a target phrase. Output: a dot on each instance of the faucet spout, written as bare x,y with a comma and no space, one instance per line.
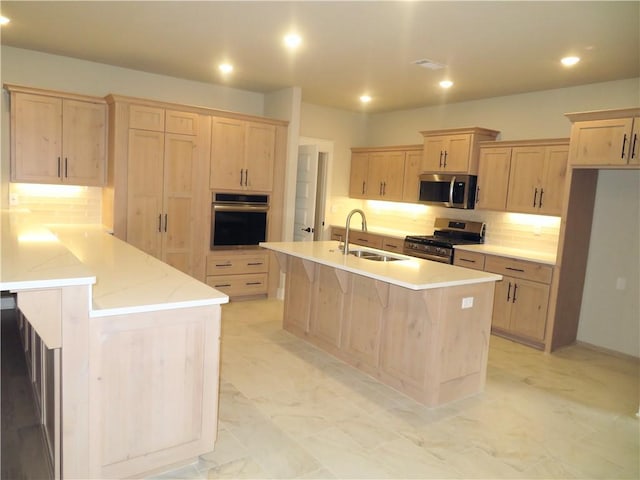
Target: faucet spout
348,227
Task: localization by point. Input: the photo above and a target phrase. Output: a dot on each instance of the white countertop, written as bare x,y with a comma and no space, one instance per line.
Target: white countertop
517,253
123,278
410,272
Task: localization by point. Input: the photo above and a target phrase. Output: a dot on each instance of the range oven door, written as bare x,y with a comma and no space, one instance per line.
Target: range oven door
239,220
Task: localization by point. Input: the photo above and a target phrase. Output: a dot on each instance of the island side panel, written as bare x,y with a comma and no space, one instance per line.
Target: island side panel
299,284
154,389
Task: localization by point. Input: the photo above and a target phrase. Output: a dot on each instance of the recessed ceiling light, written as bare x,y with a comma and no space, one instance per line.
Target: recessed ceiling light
4,20
225,67
446,83
292,40
570,61
365,98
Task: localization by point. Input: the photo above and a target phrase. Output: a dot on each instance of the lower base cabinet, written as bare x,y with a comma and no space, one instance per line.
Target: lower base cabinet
239,273
419,342
521,298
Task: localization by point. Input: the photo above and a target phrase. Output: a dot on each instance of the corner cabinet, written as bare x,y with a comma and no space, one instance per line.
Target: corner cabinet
57,138
454,150
380,173
523,176
242,155
607,138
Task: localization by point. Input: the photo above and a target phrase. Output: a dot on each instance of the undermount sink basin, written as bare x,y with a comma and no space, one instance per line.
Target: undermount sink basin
376,257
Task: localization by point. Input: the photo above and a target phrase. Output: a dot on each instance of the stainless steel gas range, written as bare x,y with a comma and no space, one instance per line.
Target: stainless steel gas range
447,233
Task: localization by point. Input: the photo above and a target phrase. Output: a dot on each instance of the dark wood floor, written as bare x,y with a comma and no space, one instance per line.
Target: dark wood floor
22,445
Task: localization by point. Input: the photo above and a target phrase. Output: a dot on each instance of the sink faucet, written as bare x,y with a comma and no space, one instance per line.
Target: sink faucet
348,227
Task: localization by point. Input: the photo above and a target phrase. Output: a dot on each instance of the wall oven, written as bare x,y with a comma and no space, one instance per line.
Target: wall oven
238,220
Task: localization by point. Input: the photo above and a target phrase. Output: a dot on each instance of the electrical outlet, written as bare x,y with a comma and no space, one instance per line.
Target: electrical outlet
467,302
537,229
13,199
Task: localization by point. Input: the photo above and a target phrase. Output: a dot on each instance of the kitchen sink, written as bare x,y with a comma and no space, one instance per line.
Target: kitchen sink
376,257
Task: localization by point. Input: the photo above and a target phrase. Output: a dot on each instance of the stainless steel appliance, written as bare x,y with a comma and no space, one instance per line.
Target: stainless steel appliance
238,220
447,233
448,190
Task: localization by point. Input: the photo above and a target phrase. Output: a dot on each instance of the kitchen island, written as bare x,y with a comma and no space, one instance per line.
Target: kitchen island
122,349
419,326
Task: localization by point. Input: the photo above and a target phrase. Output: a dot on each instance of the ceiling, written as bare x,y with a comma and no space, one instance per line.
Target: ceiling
349,48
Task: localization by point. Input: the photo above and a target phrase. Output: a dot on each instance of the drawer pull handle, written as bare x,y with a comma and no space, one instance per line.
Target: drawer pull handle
388,245
224,265
515,269
253,264
467,260
253,283
222,285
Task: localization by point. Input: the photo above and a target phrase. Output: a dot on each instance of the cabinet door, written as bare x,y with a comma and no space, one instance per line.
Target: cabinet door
227,154
358,177
145,117
84,138
179,200
457,153
601,142
529,309
525,179
493,178
502,301
144,192
259,156
393,179
185,123
554,175
412,170
433,153
36,138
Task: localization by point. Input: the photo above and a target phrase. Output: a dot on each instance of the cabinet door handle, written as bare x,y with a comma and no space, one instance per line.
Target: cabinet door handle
166,221
241,173
160,222
363,183
380,189
514,269
65,167
246,177
633,145
624,143
535,197
445,159
441,153
384,188
59,171
515,289
509,293
540,200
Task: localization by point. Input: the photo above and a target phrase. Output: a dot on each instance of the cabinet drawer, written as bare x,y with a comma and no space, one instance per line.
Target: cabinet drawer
230,264
143,117
518,268
473,260
337,234
239,285
392,244
365,239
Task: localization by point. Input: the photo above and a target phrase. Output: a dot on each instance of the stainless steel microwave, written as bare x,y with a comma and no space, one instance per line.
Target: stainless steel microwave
448,190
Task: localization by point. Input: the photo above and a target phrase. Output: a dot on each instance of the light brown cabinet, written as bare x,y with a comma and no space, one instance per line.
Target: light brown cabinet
412,171
379,173
521,298
606,138
368,239
523,176
242,155
454,150
238,273
57,138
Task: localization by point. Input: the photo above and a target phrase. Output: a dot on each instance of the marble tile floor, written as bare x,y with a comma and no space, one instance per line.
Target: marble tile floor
288,410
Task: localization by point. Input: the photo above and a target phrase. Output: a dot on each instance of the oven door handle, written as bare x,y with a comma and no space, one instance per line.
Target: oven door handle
240,208
453,181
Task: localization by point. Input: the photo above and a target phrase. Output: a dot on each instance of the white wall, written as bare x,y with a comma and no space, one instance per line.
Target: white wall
610,317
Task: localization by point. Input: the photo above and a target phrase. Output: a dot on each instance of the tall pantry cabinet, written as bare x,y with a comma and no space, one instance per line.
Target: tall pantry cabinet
156,195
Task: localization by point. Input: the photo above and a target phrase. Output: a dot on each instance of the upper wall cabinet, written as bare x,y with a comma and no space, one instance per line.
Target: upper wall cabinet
606,138
385,173
57,138
242,155
523,176
454,150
